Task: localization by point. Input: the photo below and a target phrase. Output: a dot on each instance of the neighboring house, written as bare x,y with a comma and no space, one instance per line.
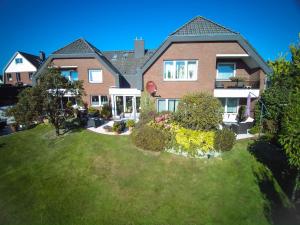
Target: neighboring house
21,67
199,56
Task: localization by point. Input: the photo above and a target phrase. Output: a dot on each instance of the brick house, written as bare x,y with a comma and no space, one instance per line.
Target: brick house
21,67
199,56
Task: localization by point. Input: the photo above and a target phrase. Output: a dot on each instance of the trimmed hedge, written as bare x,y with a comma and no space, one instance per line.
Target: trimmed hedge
224,140
150,138
192,140
199,111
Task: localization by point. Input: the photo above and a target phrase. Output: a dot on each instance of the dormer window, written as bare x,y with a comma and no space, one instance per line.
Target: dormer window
18,60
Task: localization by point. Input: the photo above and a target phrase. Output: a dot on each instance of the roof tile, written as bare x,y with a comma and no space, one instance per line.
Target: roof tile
201,26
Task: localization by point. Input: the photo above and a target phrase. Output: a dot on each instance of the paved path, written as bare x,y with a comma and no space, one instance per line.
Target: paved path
101,130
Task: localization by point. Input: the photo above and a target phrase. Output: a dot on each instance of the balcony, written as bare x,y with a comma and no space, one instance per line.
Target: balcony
236,88
229,84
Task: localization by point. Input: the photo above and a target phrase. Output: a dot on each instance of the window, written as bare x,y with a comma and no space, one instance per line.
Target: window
180,70
70,75
99,100
95,76
18,60
95,100
172,105
104,100
128,105
167,105
161,106
225,71
9,77
30,75
230,105
18,77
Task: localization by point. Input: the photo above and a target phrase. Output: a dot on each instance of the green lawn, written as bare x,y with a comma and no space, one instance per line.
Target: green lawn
87,178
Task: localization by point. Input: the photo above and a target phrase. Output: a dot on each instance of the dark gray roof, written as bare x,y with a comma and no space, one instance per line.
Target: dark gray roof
80,46
33,59
125,61
202,26
200,29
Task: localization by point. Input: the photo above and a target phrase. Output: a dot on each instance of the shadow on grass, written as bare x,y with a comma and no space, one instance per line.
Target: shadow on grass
2,145
276,182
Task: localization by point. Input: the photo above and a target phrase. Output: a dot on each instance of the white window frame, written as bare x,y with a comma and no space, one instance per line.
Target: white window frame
100,101
30,75
174,70
18,59
10,78
237,106
95,70
18,79
226,63
166,101
69,77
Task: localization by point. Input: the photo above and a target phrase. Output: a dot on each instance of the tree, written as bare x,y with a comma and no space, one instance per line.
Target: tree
289,134
199,111
53,87
284,80
46,99
147,108
282,100
29,107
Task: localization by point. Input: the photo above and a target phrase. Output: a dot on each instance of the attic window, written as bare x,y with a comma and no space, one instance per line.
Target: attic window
18,60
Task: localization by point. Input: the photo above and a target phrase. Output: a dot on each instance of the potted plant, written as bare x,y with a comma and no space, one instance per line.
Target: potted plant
106,112
93,112
130,124
237,80
118,127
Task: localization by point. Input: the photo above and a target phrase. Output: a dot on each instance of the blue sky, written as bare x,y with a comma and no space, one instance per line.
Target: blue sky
34,25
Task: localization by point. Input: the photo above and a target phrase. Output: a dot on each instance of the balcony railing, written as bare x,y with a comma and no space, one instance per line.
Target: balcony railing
248,84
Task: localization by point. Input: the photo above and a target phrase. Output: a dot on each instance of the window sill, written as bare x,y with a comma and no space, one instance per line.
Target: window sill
95,82
179,80
223,79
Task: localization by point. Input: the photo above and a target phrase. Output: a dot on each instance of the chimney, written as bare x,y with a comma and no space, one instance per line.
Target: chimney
42,56
139,48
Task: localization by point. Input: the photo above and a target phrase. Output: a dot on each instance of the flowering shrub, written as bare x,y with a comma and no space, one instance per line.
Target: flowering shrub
185,139
191,140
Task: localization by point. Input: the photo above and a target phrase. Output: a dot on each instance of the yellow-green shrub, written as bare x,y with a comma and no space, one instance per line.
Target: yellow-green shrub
191,140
